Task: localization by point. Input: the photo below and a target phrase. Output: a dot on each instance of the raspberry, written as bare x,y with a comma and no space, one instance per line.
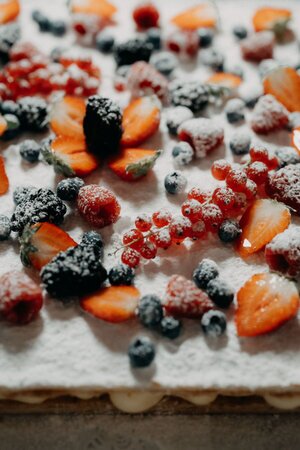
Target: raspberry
220,169
148,250
184,299
204,135
212,216
143,79
183,42
161,218
20,298
133,239
191,94
132,51
98,205
258,46
236,180
284,186
180,229
257,172
143,222
223,197
198,230
192,209
199,195
283,252
269,115
162,239
146,16
130,257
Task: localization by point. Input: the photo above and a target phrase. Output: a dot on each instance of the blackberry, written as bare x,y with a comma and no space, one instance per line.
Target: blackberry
121,275
105,42
175,182
9,35
213,323
102,125
132,51
10,107
206,36
164,62
5,227
229,230
22,192
153,36
73,273
234,110
220,292
205,272
141,352
286,156
213,59
170,327
191,94
68,188
150,311
13,127
240,32
176,116
33,113
40,205
240,143
183,153
30,151
58,27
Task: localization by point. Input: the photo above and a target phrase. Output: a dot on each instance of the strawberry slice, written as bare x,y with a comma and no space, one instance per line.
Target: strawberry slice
9,10
67,117
227,80
133,163
3,125
113,304
265,302
200,16
261,222
101,8
141,120
296,139
4,182
274,19
41,242
70,156
284,84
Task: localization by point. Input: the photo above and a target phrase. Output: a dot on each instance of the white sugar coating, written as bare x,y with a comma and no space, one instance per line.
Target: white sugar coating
143,79
241,141
234,105
288,242
203,134
177,116
183,153
261,42
164,236
268,113
266,66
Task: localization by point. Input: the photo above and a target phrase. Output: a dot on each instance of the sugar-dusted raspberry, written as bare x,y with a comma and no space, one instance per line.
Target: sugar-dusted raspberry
192,209
143,222
236,180
224,198
269,115
250,189
143,79
183,42
283,252
257,172
220,169
148,250
258,46
161,218
146,15
212,216
284,186
133,239
184,299
23,50
162,238
199,195
130,257
240,204
98,205
180,229
204,135
198,230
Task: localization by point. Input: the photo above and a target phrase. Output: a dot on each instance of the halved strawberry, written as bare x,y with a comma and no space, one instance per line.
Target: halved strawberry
101,8
113,304
265,302
70,156
227,80
274,19
67,115
203,15
262,221
133,163
3,125
9,10
41,242
4,182
284,84
296,139
141,120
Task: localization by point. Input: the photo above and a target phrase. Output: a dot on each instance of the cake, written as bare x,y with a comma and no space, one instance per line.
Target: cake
66,350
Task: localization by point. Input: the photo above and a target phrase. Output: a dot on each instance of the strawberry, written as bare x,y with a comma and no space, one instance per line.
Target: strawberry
70,156
184,299
227,80
113,304
133,163
296,139
284,186
4,182
66,118
269,115
41,242
200,16
263,220
3,125
265,302
274,19
101,8
284,84
9,10
141,120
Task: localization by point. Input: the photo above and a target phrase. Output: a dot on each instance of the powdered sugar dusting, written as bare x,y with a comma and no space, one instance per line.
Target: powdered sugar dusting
203,134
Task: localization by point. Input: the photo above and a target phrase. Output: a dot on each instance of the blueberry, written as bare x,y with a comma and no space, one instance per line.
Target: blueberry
287,155
206,271
13,126
294,120
105,42
153,36
266,66
213,58
58,27
164,62
150,311
175,182
240,32
234,110
94,239
220,292
56,53
213,323
250,94
206,36
141,352
21,192
121,275
42,21
183,153
229,230
10,107
5,228
30,151
170,327
240,143
68,188
176,116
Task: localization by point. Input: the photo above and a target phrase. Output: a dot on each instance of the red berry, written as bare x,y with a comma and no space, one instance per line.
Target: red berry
20,298
258,46
212,216
199,195
284,186
180,229
183,42
161,218
273,163
146,15
223,197
143,80
269,115
220,169
257,172
130,257
143,222
259,153
240,204
162,239
192,209
250,189
236,180
133,238
148,250
198,230
98,205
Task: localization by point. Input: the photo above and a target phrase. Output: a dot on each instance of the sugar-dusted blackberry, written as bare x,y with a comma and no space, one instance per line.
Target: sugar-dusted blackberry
240,142
286,156
220,292
102,125
9,35
68,188
95,240
150,311
192,94
5,227
205,272
170,327
105,41
13,127
141,352
121,275
153,35
132,51
33,113
73,273
213,323
30,150
229,230
40,205
22,192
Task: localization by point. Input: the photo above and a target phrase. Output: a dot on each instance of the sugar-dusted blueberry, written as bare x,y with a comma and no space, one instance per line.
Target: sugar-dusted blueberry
175,182
176,116
206,271
287,155
5,228
9,107
68,188
164,62
105,41
13,126
234,110
213,323
42,20
121,275
141,352
213,58
240,142
150,311
30,151
170,327
240,32
266,66
229,230
153,36
220,292
183,153
58,27
206,36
